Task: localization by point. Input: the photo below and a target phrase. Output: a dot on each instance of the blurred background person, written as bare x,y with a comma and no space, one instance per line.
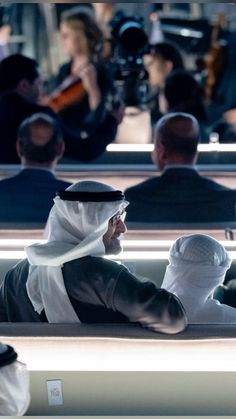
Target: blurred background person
84,79
163,58
182,93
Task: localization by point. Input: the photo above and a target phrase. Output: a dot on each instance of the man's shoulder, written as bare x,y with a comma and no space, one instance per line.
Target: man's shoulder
17,273
141,187
213,185
98,264
9,184
29,175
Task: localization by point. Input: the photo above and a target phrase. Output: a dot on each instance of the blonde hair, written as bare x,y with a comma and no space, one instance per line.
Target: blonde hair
81,18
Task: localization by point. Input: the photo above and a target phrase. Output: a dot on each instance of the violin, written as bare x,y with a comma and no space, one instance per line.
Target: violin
70,92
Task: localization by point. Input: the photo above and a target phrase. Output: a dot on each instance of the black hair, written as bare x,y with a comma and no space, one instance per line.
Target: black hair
15,68
184,94
34,152
168,51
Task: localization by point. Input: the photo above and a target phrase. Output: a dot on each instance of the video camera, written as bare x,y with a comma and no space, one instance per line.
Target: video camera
129,44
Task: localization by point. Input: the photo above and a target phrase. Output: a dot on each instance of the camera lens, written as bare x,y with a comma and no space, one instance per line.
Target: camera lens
132,36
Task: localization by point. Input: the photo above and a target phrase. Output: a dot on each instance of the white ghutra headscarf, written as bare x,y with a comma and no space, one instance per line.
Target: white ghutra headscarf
197,265
14,383
76,225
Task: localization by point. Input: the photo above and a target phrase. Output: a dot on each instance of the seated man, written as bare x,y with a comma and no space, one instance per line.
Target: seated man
180,193
21,90
67,280
14,383
198,264
28,196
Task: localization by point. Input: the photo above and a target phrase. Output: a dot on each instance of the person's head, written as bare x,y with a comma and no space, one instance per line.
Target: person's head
163,58
89,212
197,265
182,93
176,137
21,74
80,34
40,142
14,383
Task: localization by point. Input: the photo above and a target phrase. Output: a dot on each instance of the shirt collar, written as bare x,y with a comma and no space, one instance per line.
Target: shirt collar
180,166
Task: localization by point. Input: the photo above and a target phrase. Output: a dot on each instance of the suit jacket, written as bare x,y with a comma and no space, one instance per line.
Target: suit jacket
180,195
82,145
28,196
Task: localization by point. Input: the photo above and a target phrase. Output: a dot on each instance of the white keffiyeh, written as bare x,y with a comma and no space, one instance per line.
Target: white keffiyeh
14,387
197,265
75,230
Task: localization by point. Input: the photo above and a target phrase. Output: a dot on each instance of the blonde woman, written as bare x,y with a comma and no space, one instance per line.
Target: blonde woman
82,41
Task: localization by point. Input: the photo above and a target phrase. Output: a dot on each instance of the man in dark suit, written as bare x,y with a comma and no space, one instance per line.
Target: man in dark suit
180,193
28,196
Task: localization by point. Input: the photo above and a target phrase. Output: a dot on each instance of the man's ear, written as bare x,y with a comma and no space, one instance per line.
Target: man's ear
159,156
60,150
18,148
154,157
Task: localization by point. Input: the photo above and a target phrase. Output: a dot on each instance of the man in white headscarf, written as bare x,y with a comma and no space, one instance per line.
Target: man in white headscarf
67,280
198,264
14,383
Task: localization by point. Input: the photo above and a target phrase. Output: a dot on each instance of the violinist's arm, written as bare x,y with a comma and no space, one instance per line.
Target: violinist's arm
90,84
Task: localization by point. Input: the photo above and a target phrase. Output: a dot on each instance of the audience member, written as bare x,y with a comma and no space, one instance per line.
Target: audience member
198,264
182,93
14,383
20,88
85,76
28,196
163,58
68,280
180,193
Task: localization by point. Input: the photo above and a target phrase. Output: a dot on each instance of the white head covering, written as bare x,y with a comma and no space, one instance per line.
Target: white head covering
14,384
76,230
198,264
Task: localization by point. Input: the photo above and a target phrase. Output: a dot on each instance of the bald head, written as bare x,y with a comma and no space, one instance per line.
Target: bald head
176,138
40,139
